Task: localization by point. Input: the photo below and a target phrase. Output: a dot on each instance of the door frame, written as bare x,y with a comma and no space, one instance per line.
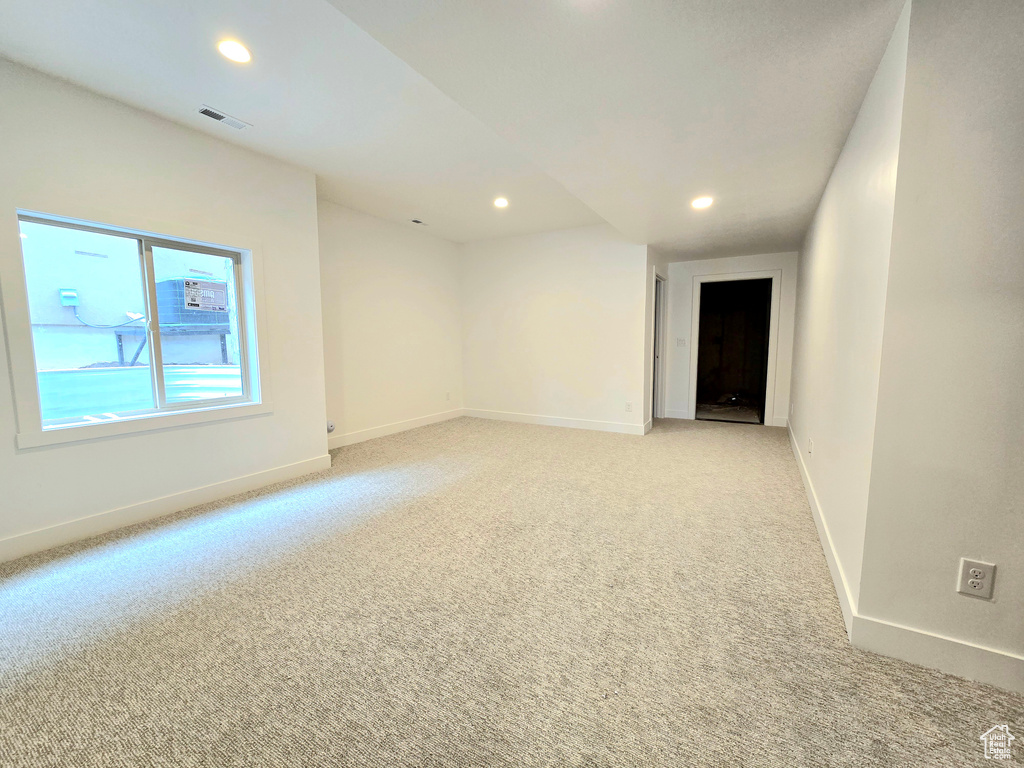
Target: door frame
773,334
658,361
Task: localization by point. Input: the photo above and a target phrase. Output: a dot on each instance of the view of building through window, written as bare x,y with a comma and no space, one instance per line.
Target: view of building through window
199,343
87,295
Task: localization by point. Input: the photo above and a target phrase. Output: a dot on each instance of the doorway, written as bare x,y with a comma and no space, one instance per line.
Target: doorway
732,350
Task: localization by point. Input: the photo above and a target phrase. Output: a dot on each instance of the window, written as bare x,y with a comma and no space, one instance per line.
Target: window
126,325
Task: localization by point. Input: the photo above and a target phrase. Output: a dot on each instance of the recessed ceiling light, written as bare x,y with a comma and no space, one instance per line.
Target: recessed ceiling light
501,202
702,202
234,50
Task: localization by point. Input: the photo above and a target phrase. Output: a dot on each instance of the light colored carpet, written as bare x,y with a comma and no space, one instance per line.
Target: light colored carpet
474,593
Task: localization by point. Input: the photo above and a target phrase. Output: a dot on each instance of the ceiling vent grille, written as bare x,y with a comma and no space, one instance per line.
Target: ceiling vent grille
220,117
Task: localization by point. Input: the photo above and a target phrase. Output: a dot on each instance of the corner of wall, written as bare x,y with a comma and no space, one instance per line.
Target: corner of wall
847,602
944,487
393,320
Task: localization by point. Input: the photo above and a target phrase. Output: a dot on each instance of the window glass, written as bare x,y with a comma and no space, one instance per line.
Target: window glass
87,307
197,310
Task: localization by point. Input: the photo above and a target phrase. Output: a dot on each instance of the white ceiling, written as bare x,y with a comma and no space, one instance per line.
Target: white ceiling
320,93
575,110
638,107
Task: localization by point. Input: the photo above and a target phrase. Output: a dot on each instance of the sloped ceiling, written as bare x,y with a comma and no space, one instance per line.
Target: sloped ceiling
319,93
637,108
575,110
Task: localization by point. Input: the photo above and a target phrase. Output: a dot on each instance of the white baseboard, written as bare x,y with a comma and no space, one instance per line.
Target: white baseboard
102,522
350,438
957,657
780,421
846,601
558,421
648,426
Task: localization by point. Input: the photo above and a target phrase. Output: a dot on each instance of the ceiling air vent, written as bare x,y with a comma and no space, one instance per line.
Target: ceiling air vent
220,117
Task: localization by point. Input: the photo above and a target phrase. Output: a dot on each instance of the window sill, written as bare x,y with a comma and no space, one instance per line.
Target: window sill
149,422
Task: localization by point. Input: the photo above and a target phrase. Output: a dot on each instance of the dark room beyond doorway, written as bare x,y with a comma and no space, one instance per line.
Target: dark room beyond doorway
732,351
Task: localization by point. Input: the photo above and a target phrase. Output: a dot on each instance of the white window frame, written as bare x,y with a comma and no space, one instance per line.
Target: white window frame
253,401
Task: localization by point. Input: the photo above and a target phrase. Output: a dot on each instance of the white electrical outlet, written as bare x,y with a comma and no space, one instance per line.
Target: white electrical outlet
680,342
629,407
976,578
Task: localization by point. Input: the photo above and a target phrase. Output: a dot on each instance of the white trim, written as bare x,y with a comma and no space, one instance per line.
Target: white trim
958,657
660,333
846,601
102,522
558,421
350,438
648,426
779,422
150,421
773,333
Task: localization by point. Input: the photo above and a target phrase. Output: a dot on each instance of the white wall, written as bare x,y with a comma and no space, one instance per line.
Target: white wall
947,478
70,152
392,325
840,308
679,331
910,346
554,328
